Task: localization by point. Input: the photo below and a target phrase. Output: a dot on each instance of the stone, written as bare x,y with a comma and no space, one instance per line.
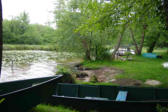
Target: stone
165,65
112,80
152,82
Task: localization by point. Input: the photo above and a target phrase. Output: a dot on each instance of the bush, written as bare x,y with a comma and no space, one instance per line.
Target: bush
93,79
67,74
102,53
161,109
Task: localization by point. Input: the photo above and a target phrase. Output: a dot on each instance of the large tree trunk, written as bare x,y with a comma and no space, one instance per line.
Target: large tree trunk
134,41
139,48
165,6
0,37
87,50
87,54
142,39
119,42
152,45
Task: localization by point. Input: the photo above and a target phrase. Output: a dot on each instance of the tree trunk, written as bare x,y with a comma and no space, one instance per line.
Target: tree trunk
0,36
87,51
119,42
96,51
152,46
165,6
142,39
87,55
134,41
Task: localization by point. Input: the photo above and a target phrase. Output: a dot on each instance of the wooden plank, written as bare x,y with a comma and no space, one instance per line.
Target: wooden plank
122,96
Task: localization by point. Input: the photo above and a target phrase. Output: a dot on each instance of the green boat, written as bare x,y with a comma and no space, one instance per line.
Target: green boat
109,98
22,95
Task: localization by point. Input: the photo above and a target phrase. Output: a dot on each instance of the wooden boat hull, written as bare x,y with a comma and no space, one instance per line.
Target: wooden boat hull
85,105
104,98
31,93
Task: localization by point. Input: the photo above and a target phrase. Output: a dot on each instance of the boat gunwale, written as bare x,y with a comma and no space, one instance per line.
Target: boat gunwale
116,86
25,79
30,87
80,98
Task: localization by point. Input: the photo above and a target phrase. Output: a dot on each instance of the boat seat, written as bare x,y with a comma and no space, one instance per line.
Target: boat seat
122,96
96,98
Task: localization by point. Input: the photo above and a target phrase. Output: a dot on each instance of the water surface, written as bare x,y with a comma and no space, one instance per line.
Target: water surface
18,65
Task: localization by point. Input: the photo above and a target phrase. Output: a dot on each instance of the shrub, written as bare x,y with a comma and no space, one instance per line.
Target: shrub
67,74
161,109
93,79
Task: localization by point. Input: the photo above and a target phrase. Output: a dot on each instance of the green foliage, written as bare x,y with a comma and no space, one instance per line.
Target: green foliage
2,100
161,109
49,108
88,26
67,74
93,79
72,32
63,70
18,30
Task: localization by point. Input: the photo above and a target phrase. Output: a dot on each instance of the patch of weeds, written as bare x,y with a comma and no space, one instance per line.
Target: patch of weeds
67,74
161,109
93,79
49,108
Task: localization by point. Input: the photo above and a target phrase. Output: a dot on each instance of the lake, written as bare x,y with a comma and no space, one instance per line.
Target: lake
18,65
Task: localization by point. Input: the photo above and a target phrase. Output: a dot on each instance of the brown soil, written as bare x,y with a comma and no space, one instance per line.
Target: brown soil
107,74
128,82
104,74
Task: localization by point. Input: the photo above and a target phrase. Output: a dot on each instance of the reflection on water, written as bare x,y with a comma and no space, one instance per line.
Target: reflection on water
28,64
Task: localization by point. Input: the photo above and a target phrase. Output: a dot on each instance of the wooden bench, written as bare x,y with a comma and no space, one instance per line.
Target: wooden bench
122,96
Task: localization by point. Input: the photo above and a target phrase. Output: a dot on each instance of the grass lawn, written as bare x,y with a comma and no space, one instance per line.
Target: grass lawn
139,68
48,108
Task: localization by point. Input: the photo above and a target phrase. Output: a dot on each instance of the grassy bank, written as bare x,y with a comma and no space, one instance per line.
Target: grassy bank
139,68
48,108
29,47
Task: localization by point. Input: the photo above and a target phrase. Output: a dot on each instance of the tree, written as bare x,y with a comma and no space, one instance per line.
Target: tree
0,36
18,30
149,14
112,17
68,18
99,24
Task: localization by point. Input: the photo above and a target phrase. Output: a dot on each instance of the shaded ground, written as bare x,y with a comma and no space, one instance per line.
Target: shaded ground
128,82
104,74
108,74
